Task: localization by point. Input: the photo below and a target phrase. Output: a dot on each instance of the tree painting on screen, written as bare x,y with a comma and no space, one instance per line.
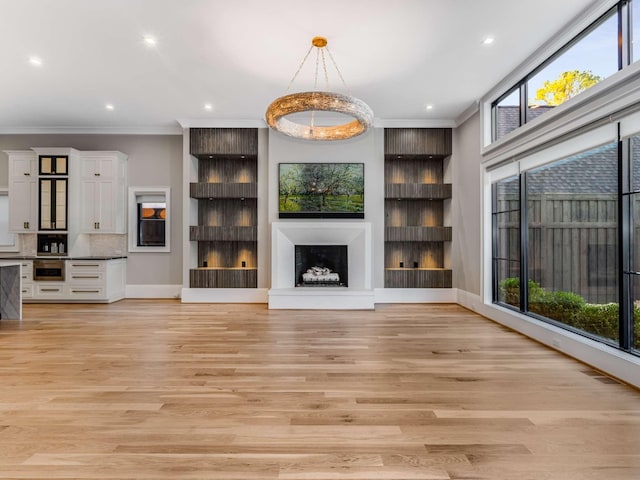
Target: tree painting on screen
328,190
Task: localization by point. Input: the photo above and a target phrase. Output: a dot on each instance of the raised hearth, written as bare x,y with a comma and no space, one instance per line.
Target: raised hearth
355,236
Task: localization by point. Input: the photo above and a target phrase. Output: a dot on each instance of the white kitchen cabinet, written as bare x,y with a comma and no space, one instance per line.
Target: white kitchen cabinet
23,191
103,182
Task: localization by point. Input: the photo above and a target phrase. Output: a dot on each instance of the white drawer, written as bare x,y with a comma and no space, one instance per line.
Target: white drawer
27,291
85,293
49,290
88,277
26,271
83,266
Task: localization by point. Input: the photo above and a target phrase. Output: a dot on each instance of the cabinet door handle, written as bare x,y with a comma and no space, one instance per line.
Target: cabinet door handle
85,265
49,289
85,291
97,174
85,276
27,174
98,225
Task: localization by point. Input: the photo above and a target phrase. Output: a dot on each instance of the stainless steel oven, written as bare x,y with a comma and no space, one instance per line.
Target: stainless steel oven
48,270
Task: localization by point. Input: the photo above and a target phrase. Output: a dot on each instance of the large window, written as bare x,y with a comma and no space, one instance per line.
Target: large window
506,234
593,55
572,211
579,255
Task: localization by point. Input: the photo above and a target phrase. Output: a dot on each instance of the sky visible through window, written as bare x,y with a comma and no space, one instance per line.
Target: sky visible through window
595,53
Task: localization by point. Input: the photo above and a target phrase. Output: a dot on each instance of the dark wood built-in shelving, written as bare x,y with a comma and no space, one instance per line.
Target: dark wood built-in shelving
227,191
414,208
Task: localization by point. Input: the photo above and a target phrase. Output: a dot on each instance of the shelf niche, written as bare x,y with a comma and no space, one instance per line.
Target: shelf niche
415,193
227,191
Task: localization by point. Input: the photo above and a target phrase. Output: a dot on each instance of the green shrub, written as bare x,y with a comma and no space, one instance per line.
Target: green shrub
561,306
599,319
509,290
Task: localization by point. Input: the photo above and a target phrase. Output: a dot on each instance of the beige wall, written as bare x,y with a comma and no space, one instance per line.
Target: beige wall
367,149
154,160
466,207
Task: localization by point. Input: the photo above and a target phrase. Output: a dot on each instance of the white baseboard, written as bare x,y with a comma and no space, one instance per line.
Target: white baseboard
416,295
619,364
153,291
224,295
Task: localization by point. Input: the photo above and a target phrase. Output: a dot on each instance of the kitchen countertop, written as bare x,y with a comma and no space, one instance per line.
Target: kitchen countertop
58,257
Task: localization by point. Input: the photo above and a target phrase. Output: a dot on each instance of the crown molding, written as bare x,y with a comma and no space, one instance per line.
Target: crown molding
413,123
172,130
222,123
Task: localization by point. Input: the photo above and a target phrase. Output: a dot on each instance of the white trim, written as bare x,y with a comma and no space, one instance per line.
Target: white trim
619,364
630,125
555,43
91,130
600,102
134,192
467,113
416,295
321,298
413,123
153,291
597,137
222,123
4,191
224,295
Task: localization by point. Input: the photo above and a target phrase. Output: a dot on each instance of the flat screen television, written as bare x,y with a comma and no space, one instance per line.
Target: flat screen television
321,190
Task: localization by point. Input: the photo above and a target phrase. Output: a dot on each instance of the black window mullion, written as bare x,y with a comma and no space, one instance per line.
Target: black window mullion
625,240
494,241
524,94
524,245
624,35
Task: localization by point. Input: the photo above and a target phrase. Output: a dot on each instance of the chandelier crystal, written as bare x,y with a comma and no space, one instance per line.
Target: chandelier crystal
319,101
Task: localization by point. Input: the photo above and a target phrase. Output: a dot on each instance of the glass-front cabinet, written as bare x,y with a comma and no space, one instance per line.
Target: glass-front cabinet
52,192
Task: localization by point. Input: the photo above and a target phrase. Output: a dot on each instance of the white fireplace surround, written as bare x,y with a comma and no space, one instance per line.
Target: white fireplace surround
355,235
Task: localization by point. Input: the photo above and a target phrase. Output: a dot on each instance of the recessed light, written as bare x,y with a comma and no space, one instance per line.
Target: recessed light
208,107
428,107
109,106
488,40
35,61
149,41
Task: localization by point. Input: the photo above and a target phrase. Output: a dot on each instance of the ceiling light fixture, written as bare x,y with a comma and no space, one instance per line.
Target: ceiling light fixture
488,40
429,107
208,107
315,101
149,41
35,61
109,106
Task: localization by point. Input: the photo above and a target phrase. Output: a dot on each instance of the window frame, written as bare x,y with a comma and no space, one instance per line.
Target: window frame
518,79
134,193
4,192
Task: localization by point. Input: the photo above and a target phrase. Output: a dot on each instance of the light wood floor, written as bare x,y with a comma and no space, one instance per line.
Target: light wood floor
160,390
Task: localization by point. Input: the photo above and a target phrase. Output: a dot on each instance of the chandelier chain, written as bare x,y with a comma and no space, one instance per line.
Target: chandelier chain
336,67
295,75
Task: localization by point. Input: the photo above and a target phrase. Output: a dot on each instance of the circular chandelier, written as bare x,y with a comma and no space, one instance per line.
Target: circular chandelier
315,101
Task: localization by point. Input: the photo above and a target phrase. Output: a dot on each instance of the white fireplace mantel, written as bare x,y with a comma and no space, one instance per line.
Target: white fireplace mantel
355,235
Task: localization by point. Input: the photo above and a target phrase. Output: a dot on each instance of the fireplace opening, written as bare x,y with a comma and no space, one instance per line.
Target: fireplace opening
321,266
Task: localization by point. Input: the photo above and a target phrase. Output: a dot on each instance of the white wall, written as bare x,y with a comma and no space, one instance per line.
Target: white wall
367,149
154,160
466,207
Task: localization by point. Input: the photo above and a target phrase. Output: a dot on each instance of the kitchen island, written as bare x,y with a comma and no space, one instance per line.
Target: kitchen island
10,291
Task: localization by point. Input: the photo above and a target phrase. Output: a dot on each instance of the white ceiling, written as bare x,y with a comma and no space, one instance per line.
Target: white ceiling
397,56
